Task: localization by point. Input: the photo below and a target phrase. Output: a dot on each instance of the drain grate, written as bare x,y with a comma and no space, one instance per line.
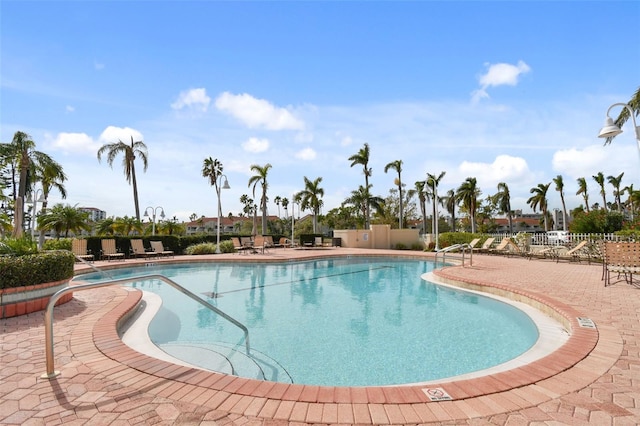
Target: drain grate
586,322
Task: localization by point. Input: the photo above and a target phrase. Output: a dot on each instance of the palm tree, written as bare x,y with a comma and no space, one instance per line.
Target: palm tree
582,189
127,226
22,156
285,205
50,176
422,200
130,152
64,219
539,199
468,194
599,178
397,166
311,198
261,176
560,188
361,198
503,201
278,200
616,182
212,169
432,183
450,202
362,158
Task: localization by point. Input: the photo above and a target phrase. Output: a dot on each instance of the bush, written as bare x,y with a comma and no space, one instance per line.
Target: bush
58,244
32,269
18,246
597,222
401,246
210,248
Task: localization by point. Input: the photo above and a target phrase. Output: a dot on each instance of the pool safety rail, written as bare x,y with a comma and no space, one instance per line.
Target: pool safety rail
463,248
48,315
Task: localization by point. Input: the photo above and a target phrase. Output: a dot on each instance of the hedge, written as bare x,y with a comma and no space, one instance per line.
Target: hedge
33,269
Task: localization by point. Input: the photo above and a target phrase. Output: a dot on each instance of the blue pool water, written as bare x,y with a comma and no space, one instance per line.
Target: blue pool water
340,322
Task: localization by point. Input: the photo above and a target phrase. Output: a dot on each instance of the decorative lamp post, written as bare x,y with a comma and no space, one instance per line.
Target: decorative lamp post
35,200
611,130
154,211
220,186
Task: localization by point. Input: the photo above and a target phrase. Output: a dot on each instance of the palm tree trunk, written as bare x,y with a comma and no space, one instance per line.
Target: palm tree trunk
134,183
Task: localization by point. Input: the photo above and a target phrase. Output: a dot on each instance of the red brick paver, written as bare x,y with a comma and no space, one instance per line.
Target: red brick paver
593,379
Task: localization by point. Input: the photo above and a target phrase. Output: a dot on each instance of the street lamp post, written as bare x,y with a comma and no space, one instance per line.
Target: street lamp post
154,211
35,200
293,218
218,188
611,130
435,205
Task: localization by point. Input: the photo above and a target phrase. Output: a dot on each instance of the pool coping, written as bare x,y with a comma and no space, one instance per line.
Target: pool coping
578,362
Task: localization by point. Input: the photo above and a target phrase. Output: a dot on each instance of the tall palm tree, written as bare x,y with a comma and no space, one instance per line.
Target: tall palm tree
422,200
539,199
397,166
22,156
503,201
451,202
130,152
468,194
631,197
278,200
599,178
432,183
212,170
285,205
51,176
311,198
560,188
261,177
582,189
616,182
362,158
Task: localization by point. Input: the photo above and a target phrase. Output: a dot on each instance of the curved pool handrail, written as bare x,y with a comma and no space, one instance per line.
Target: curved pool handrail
463,247
48,315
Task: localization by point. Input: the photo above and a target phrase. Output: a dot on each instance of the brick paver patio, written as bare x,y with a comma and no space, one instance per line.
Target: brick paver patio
593,379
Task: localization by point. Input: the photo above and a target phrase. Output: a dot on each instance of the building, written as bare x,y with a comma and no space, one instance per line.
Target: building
95,215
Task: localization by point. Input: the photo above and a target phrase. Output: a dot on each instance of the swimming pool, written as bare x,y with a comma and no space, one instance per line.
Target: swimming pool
341,322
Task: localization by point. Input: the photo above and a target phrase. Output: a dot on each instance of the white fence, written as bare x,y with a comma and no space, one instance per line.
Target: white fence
541,238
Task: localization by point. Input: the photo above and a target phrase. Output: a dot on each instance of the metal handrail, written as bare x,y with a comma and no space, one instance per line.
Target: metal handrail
463,247
48,315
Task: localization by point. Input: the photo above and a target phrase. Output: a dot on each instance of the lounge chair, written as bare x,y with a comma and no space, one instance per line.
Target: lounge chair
138,250
109,250
79,249
285,242
579,252
319,242
259,243
474,243
237,245
500,248
268,239
158,248
486,245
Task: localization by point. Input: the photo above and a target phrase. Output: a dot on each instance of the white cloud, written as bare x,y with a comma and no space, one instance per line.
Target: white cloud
306,154
114,134
193,98
257,113
69,109
504,168
499,75
256,145
98,66
75,142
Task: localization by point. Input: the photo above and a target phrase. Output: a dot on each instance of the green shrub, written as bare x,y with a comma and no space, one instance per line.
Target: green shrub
401,246
57,244
32,269
18,246
210,248
417,246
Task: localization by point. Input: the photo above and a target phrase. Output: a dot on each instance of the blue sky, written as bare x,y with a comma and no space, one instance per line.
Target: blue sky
503,91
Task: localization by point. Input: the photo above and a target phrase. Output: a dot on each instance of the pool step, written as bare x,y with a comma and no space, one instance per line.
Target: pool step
228,360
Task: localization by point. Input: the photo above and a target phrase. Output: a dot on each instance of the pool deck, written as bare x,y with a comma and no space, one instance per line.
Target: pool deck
593,379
